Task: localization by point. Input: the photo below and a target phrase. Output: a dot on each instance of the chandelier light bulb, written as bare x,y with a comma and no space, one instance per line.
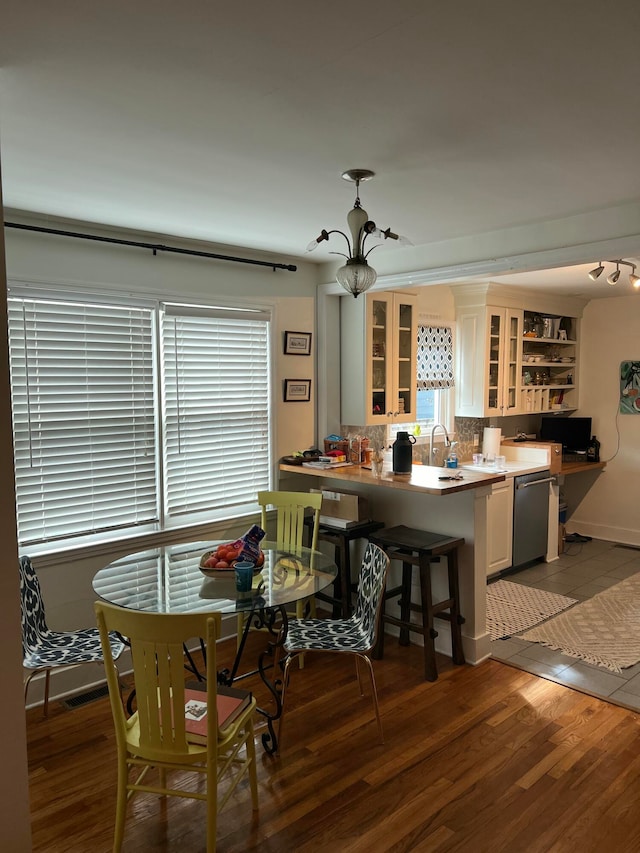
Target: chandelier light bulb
613,278
634,279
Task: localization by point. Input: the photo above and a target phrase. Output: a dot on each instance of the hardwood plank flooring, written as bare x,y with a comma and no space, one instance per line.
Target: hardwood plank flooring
488,758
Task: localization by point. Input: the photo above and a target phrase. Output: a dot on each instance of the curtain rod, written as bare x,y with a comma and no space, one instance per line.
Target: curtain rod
155,247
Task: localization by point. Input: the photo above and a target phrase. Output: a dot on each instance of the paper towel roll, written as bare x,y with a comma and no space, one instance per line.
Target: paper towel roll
491,442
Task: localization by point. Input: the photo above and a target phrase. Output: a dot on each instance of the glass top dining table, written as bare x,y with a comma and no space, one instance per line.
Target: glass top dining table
168,579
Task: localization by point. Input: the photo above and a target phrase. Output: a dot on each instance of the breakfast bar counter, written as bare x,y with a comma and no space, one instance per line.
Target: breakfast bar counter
423,478
462,508
421,500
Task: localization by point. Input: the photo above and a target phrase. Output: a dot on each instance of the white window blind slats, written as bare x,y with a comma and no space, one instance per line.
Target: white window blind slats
83,414
216,410
93,389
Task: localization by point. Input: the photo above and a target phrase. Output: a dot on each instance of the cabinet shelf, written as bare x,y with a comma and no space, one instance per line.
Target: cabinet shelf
529,340
560,365
548,387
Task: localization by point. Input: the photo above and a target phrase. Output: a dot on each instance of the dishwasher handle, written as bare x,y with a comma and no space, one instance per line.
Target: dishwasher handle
536,482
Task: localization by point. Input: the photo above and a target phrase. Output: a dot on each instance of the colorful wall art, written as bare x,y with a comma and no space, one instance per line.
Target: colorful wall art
630,387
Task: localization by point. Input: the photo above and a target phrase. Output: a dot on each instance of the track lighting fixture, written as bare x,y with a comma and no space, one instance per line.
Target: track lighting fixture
356,275
613,277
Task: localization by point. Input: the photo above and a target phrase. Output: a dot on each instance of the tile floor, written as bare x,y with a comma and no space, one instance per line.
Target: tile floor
581,572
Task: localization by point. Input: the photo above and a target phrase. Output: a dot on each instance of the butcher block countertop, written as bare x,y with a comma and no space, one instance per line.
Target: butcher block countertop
523,458
423,478
581,467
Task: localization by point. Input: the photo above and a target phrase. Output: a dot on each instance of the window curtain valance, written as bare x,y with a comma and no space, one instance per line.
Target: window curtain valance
435,357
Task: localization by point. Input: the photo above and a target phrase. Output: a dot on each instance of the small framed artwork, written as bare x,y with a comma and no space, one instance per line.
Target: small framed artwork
297,390
297,343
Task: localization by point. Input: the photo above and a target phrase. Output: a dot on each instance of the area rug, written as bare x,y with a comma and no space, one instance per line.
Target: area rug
513,607
604,630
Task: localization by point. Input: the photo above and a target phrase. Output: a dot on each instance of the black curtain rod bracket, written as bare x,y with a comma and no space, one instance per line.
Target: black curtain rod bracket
155,247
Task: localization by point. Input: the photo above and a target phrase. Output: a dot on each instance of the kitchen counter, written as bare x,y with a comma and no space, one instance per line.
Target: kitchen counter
423,478
581,467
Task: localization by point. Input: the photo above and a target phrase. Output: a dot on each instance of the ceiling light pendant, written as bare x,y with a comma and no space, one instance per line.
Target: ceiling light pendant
596,272
613,278
357,275
634,279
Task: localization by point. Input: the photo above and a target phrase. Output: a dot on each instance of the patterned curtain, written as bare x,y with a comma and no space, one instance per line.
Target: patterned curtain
435,357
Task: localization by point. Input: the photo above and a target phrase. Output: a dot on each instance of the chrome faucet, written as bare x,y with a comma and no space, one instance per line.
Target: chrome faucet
447,442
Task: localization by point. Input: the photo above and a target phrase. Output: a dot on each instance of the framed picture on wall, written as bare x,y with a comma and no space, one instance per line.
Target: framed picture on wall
297,390
297,343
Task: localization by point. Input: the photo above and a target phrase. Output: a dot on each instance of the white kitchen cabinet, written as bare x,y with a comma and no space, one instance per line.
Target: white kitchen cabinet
500,527
378,333
489,359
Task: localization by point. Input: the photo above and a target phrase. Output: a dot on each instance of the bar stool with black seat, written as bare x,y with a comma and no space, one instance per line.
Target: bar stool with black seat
341,538
424,550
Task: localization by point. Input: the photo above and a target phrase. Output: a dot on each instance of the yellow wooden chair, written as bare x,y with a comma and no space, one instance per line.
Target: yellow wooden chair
154,736
290,514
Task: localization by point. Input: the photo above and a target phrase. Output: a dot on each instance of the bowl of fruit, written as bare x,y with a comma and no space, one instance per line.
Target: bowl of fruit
220,561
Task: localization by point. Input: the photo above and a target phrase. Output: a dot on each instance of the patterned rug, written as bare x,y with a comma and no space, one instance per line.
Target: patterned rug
513,607
605,630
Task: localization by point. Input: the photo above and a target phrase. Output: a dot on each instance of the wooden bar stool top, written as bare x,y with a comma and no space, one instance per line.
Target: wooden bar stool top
416,540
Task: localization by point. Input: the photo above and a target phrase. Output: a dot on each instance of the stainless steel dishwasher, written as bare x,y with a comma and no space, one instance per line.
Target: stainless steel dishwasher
530,516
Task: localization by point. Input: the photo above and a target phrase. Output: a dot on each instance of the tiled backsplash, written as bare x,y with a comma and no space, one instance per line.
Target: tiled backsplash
468,434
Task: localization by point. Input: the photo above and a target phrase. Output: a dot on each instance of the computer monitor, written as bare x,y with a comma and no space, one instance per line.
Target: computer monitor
574,434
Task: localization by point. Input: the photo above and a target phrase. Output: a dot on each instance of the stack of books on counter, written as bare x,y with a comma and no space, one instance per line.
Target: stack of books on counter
328,462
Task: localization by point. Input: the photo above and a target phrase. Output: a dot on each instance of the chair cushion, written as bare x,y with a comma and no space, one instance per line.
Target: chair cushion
57,648
327,635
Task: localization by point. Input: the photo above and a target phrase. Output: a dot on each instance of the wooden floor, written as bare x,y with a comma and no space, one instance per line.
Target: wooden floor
488,758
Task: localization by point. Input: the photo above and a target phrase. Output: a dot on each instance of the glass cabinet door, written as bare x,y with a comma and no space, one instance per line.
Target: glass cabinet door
513,362
405,364
391,358
380,355
494,368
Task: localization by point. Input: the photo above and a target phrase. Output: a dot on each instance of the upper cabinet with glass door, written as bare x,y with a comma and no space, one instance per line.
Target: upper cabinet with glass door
513,356
489,362
378,358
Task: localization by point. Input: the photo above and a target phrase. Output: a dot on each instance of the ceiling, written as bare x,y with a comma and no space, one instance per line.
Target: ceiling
232,122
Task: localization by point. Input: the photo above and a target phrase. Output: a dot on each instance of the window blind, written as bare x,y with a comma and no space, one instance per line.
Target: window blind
435,357
82,384
216,408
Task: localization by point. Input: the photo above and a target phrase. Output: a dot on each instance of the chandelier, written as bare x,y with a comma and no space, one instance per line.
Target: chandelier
613,277
356,275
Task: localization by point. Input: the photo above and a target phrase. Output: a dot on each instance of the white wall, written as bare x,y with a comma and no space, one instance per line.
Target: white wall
606,505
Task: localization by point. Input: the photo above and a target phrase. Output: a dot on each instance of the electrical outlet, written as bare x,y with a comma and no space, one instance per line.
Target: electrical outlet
476,439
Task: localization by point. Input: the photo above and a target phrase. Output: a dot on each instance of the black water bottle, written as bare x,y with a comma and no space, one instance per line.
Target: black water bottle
593,450
403,453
